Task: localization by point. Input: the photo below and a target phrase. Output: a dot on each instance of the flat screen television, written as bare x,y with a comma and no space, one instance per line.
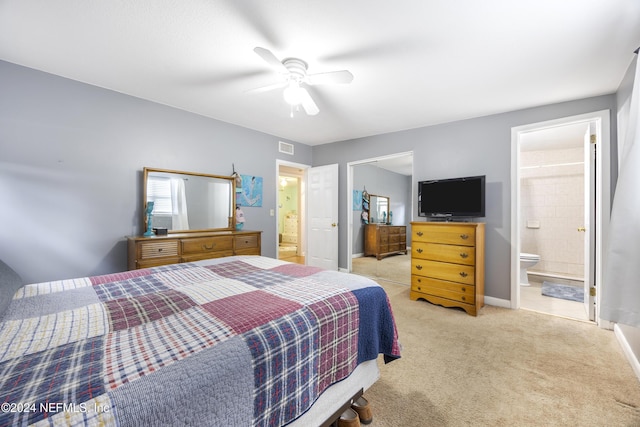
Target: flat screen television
452,198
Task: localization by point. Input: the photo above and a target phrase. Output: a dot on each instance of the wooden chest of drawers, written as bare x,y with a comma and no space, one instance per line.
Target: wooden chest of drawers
144,252
381,240
447,264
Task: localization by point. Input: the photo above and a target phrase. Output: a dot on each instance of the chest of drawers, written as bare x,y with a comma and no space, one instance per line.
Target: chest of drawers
144,252
381,240
447,264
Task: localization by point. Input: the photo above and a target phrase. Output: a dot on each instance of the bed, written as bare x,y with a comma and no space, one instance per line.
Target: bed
243,340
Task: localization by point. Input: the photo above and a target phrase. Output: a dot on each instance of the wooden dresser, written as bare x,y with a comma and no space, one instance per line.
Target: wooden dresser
381,240
186,247
447,264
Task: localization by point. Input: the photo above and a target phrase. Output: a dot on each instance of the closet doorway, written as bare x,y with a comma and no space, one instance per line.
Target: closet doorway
290,213
401,196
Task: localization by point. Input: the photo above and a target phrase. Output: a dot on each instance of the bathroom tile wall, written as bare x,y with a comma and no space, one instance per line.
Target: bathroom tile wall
552,204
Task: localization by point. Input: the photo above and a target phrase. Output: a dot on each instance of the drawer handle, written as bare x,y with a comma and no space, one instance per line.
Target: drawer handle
464,289
419,288
208,247
160,249
419,233
419,280
463,274
463,298
419,250
418,267
464,255
464,236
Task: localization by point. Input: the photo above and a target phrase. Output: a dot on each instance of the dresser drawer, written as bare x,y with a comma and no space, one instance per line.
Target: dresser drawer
451,290
394,238
444,271
446,234
207,245
394,247
445,253
206,255
157,249
155,262
247,242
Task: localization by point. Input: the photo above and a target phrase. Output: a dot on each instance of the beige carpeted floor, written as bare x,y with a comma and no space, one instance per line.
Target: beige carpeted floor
502,368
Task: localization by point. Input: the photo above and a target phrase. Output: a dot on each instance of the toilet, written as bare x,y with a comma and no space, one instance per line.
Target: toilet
527,261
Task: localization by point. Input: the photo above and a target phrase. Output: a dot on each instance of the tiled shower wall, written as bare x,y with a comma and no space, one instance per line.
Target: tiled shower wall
552,204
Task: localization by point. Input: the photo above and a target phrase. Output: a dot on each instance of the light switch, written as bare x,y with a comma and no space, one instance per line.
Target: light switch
533,223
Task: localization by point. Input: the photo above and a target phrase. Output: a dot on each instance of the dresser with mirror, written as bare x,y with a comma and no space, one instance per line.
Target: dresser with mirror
381,237
197,213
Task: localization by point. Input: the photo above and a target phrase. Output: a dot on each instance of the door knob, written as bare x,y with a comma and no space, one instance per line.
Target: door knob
582,229
333,224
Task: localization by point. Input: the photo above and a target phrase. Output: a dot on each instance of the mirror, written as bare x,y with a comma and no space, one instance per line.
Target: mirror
189,201
379,209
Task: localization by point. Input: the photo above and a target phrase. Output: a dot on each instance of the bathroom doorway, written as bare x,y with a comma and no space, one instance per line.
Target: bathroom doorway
290,213
556,199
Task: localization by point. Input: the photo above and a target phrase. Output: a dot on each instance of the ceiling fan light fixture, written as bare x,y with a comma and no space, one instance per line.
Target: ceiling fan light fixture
293,93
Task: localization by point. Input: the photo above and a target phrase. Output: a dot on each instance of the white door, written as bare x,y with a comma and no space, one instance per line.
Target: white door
589,223
322,215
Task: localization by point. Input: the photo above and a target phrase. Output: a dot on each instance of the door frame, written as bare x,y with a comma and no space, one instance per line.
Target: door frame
302,191
603,197
349,204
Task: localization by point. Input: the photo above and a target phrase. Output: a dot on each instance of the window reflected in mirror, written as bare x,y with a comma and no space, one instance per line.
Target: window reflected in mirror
379,209
186,201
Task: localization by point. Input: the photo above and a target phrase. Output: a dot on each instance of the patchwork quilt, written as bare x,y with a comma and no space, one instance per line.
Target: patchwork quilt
244,340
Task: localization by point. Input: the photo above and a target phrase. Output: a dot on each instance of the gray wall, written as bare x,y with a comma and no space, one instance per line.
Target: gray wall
71,159
383,183
480,146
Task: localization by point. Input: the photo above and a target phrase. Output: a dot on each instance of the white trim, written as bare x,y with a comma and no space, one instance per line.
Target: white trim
350,166
627,350
498,302
603,196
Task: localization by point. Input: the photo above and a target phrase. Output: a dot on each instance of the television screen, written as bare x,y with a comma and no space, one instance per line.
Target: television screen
457,197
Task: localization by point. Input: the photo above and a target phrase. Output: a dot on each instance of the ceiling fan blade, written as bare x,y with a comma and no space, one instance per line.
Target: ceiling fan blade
308,104
332,77
267,87
271,59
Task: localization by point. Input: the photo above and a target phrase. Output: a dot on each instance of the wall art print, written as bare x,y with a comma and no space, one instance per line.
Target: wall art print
357,200
251,194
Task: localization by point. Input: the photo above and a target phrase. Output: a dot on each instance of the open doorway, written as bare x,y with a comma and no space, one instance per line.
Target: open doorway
400,166
290,213
559,215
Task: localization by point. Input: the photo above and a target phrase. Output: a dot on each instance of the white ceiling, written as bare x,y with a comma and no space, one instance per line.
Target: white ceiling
415,62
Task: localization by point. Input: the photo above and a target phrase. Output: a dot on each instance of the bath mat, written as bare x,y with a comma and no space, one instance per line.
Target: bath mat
556,290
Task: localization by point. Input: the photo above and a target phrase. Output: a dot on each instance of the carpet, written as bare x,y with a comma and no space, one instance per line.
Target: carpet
503,368
556,290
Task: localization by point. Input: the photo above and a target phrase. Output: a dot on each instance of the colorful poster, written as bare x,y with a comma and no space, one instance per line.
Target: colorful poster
357,200
251,194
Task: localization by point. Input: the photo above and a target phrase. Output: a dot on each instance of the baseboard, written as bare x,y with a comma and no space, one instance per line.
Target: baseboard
498,302
360,255
626,348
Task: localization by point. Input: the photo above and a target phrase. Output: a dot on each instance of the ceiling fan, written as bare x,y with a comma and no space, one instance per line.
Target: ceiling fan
294,72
